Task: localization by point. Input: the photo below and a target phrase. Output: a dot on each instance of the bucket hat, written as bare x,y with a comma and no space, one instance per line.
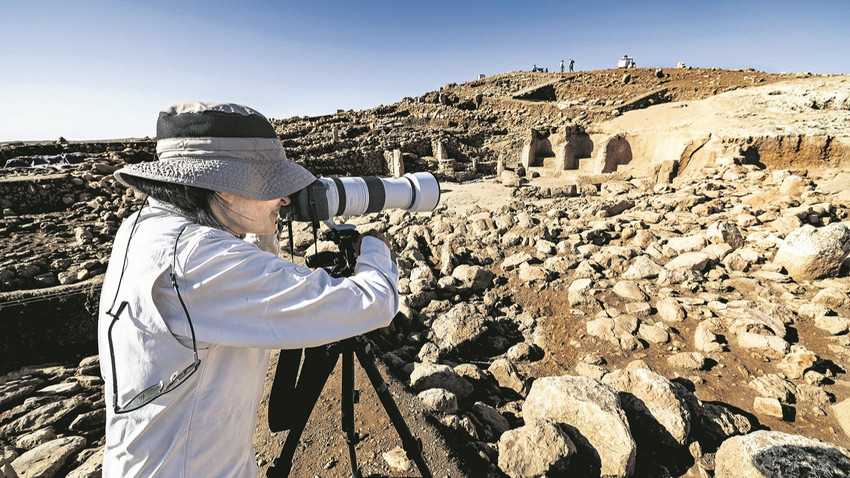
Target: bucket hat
222,147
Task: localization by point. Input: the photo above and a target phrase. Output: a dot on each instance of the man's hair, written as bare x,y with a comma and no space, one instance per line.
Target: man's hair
193,202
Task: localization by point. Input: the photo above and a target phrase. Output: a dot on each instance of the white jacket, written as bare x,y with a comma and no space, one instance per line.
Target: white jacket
242,302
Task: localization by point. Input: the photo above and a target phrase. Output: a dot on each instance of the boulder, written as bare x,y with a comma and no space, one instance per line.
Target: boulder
630,291
459,329
48,458
695,261
810,253
764,454
429,376
91,468
681,245
653,406
537,449
593,415
715,422
473,277
770,407
493,423
580,292
670,311
724,233
643,267
687,360
506,373
439,400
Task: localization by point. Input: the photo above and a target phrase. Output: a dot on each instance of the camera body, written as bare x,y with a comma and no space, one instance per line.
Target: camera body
356,195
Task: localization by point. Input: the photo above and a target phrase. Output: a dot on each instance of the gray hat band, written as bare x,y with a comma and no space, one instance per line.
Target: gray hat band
259,149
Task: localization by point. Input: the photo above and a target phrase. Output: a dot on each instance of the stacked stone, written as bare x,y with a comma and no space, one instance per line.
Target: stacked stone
52,421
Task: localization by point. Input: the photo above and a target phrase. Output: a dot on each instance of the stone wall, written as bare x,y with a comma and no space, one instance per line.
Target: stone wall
46,193
49,324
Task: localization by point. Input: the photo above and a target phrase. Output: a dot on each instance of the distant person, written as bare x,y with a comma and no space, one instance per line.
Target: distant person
546,70
534,68
572,62
562,66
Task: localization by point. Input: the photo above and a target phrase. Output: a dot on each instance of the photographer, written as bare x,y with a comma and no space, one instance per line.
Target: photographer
190,311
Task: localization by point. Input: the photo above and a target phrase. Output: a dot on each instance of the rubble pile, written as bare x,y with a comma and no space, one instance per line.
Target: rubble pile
679,325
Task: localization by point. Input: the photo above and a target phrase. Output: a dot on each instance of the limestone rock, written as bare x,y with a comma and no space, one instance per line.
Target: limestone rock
459,329
630,291
680,245
439,400
768,406
36,438
715,422
653,406
429,376
643,267
473,277
493,422
810,253
397,459
832,298
834,325
764,454
706,341
580,292
45,415
724,233
506,373
594,411
695,261
670,311
797,362
45,460
687,360
537,449
92,468
773,386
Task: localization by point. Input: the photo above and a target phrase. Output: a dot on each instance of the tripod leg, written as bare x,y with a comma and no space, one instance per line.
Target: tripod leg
283,389
318,363
411,445
348,407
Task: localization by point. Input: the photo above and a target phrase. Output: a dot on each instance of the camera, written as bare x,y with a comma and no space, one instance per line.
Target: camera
328,197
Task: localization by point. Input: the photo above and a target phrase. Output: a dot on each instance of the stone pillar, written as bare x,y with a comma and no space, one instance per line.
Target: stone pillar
397,164
500,167
335,131
527,155
439,150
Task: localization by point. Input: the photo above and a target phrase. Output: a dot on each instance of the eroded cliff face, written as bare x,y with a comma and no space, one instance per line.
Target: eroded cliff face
796,124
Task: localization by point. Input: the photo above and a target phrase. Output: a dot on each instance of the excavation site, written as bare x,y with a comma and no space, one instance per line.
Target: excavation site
632,272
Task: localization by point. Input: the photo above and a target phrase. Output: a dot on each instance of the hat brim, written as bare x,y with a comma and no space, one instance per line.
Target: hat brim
261,180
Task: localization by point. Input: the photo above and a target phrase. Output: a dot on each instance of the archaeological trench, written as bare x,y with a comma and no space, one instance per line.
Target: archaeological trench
662,290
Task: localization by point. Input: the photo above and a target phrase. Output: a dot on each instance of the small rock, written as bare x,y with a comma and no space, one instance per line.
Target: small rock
768,406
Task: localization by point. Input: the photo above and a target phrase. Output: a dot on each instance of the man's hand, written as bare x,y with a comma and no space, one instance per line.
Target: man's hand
377,235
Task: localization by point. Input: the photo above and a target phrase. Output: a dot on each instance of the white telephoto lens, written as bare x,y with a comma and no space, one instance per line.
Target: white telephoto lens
353,196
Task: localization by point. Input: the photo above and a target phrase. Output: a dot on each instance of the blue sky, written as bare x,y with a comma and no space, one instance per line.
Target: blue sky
103,69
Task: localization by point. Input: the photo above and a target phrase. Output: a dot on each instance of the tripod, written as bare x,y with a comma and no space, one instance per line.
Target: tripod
294,394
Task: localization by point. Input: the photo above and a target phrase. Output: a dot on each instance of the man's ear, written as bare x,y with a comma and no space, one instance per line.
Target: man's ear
286,201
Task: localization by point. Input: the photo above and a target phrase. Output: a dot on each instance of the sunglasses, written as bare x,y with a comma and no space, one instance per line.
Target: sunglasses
153,392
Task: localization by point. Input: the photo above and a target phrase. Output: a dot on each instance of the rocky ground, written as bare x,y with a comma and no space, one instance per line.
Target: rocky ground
697,327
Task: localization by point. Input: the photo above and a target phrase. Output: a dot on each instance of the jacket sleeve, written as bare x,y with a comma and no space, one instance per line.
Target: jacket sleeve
238,295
